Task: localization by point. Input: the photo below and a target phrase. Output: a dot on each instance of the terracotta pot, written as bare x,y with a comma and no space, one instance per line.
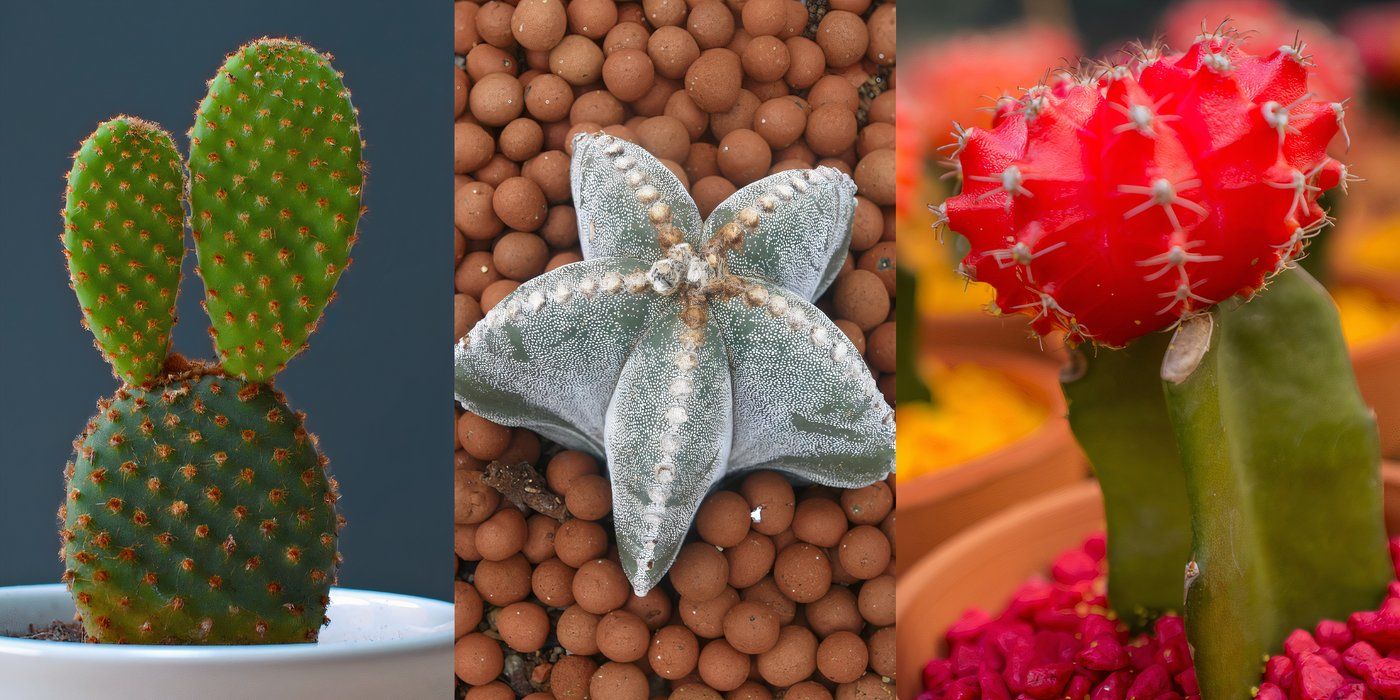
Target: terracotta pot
984,565
936,506
978,329
1377,365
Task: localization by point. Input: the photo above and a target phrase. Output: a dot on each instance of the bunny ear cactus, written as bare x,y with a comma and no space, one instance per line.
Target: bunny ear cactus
199,511
198,508
1167,192
682,350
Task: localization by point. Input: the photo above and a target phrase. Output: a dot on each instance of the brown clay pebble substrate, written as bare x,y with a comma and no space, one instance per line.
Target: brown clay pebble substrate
724,92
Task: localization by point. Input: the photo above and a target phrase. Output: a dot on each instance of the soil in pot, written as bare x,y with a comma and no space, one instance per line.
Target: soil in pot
945,589
1057,637
1373,250
1369,307
1367,316
55,631
939,503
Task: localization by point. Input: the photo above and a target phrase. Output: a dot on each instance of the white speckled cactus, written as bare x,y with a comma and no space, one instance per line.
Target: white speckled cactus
684,351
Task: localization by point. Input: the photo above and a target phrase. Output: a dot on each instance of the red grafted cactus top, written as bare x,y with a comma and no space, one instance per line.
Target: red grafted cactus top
1112,204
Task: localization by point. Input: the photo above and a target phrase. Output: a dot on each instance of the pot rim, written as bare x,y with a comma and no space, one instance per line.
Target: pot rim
977,537
412,640
1036,374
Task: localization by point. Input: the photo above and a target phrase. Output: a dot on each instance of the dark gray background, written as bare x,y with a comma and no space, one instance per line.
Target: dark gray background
376,380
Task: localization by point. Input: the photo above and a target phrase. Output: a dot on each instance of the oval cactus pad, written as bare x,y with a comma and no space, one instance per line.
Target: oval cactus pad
276,181
123,231
199,511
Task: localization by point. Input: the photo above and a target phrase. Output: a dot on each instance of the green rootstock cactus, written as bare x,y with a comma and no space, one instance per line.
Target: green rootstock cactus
123,233
198,509
684,351
275,186
1119,416
1281,458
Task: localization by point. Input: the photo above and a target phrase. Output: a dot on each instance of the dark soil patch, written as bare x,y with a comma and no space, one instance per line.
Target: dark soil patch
53,632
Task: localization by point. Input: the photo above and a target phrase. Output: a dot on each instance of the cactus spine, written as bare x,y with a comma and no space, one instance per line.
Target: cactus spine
198,508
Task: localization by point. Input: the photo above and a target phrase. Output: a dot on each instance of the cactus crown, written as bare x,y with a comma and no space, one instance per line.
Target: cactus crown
274,186
683,350
1115,203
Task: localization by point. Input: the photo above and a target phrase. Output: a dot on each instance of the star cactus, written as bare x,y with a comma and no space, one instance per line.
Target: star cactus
685,350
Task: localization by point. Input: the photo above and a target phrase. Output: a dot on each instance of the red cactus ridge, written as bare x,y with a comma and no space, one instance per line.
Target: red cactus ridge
1113,204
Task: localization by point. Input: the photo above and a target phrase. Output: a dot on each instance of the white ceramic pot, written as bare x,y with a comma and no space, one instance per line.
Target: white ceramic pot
377,645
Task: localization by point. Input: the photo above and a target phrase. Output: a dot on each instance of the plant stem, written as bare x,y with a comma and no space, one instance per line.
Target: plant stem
1281,459
1119,417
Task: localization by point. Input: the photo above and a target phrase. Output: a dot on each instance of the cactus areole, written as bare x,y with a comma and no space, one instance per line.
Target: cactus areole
198,509
1115,203
684,351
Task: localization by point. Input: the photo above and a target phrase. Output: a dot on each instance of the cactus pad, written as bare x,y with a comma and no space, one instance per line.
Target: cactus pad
276,182
123,235
684,351
199,511
1114,203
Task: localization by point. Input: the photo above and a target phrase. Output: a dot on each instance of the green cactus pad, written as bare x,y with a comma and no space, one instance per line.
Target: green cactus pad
1282,469
276,181
199,511
123,235
1119,417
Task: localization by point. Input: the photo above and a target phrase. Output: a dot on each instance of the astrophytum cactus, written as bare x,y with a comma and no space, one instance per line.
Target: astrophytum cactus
1235,456
1112,205
684,350
198,508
